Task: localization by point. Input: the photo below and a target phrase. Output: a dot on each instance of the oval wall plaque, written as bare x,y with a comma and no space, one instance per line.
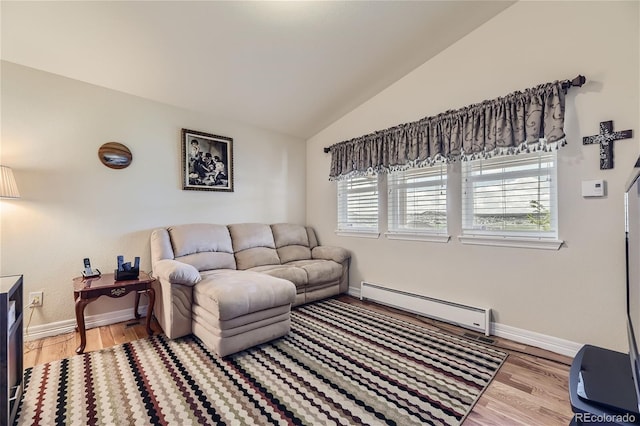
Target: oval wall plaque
114,155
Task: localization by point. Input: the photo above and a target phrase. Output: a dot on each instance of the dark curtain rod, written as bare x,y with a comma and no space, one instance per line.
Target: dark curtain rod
576,82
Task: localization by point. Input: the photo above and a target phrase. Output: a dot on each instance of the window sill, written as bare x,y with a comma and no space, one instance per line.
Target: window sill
519,242
432,238
358,234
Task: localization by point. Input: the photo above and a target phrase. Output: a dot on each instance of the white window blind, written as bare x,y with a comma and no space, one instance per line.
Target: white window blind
358,204
417,201
510,196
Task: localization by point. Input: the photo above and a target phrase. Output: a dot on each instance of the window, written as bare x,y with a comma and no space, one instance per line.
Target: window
511,196
506,201
358,205
417,201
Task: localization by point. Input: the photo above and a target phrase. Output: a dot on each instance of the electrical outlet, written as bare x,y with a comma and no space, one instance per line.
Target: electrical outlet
35,298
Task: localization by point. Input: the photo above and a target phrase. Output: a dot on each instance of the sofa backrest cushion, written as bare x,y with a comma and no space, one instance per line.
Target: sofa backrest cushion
161,247
253,245
292,242
203,245
313,240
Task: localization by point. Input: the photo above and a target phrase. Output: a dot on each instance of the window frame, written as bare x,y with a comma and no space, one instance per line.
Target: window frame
512,238
343,225
398,184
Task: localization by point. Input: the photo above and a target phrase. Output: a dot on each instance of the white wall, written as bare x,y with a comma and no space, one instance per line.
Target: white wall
73,207
576,293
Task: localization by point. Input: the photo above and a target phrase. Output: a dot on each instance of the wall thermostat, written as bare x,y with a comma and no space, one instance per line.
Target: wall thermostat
593,188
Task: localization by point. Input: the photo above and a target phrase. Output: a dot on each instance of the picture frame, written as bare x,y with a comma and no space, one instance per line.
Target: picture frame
207,161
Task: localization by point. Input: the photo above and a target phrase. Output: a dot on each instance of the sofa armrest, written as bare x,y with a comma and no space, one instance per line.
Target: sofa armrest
337,254
176,272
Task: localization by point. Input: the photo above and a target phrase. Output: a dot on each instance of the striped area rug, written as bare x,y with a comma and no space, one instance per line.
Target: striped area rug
340,364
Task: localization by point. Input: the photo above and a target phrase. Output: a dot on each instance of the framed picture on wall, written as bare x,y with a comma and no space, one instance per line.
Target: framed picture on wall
207,161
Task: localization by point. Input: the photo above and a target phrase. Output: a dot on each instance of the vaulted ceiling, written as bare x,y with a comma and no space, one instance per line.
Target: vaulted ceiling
291,67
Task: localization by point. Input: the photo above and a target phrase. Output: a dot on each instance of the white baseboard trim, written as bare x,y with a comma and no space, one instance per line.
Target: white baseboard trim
542,341
67,326
354,291
550,343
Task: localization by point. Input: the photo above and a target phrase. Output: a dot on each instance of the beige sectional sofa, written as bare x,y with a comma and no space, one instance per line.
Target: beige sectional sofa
233,285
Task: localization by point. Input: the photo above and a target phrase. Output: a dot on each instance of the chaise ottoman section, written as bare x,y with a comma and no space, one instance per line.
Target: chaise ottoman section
234,310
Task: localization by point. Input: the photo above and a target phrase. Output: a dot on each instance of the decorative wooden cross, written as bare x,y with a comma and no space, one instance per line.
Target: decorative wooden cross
605,139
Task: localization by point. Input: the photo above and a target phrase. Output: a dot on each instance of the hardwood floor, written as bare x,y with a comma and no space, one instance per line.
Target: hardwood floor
528,389
64,345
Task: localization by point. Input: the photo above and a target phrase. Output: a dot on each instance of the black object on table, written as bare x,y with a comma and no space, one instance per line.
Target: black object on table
601,388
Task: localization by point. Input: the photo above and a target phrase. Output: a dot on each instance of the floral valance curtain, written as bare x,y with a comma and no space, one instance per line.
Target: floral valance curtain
519,122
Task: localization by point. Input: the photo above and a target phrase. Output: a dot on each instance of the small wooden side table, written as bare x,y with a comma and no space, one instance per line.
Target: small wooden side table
86,290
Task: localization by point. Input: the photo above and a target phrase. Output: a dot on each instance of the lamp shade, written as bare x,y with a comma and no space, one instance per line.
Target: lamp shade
8,187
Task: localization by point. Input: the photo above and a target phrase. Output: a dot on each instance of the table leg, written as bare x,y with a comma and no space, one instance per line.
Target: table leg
80,305
135,310
75,297
152,298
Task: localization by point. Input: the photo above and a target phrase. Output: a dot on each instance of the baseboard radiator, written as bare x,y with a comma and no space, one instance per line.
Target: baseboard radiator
477,319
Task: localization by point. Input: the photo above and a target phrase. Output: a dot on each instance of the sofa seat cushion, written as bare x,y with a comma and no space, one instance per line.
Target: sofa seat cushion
319,272
297,276
228,294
